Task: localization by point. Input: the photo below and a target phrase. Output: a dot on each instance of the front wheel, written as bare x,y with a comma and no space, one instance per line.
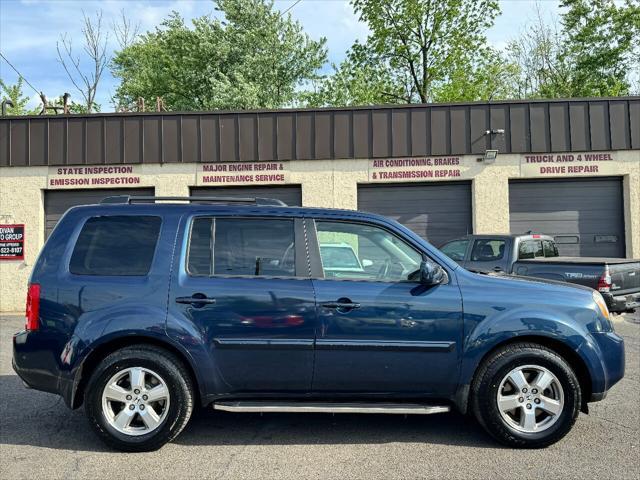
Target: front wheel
526,395
139,398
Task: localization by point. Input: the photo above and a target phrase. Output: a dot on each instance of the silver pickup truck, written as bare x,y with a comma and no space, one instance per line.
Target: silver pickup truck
534,255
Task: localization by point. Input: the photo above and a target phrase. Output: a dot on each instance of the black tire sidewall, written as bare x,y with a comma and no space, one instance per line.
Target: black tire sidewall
178,391
487,402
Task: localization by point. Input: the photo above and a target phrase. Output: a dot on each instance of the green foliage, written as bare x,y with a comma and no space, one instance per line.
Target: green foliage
415,48
601,46
253,58
489,76
594,51
15,94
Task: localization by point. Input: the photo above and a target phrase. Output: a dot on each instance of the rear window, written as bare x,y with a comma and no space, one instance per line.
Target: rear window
550,249
116,245
487,250
530,249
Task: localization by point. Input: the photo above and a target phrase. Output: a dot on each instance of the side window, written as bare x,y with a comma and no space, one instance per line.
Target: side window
455,250
200,259
488,250
530,249
353,251
116,245
243,246
550,249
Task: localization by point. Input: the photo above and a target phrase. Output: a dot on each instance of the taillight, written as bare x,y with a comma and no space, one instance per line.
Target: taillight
604,283
33,307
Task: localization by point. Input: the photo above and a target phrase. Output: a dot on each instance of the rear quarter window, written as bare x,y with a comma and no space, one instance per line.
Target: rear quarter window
116,245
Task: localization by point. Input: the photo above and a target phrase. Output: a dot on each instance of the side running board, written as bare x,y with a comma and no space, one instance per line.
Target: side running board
330,407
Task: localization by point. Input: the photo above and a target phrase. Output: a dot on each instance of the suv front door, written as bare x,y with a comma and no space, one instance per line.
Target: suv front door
244,287
381,332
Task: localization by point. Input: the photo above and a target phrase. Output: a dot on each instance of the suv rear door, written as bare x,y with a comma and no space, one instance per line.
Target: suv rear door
243,283
379,331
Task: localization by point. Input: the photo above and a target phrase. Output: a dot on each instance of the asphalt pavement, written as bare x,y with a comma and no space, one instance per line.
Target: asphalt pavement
41,438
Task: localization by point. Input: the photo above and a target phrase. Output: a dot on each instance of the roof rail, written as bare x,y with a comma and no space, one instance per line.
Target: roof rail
127,199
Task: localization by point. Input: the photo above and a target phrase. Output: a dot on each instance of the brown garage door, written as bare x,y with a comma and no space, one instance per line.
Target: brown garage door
289,194
437,212
585,216
56,202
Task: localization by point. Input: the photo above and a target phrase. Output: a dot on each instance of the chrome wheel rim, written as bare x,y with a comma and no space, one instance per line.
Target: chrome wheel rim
135,401
530,399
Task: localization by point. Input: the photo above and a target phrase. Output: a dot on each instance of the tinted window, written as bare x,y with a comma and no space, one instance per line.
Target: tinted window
455,250
487,250
530,249
550,249
254,247
366,253
115,245
200,247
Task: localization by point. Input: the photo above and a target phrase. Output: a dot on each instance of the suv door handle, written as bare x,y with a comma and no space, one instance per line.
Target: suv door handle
343,305
197,298
497,269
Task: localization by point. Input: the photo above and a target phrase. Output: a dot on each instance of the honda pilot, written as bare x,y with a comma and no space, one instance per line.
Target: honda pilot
142,308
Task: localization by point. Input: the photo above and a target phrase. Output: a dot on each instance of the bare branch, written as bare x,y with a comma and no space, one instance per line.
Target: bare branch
95,49
125,30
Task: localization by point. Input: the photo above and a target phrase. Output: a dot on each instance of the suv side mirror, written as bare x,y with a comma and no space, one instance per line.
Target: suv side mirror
431,273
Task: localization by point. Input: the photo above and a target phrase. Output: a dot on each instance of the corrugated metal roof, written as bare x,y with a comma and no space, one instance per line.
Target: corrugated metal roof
360,132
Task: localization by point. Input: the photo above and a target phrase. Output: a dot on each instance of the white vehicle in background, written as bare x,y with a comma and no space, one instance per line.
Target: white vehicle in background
340,258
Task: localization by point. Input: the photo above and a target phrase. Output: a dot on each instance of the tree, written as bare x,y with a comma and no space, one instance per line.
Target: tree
15,94
541,72
489,76
592,50
413,47
358,80
601,46
125,30
95,49
252,58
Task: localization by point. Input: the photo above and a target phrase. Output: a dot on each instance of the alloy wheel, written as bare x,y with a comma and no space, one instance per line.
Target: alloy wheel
135,401
530,399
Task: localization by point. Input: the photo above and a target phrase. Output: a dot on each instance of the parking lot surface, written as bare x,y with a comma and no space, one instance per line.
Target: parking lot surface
41,438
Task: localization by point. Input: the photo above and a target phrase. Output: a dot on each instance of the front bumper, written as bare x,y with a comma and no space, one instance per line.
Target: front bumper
612,358
622,303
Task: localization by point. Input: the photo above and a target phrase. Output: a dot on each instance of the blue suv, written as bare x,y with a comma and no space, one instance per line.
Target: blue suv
142,308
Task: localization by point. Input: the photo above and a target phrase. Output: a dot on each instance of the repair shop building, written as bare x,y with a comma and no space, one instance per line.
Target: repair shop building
569,168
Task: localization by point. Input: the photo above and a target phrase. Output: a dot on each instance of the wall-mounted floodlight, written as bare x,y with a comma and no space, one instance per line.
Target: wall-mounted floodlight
490,156
495,131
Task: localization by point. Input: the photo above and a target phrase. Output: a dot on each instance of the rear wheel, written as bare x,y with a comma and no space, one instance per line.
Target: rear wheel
526,395
139,398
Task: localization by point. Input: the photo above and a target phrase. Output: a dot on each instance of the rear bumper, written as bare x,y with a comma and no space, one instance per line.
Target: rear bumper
34,367
622,303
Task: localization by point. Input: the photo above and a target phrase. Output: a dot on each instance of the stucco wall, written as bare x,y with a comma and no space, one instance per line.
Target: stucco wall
325,183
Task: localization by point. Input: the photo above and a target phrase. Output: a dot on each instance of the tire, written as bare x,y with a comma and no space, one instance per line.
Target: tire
140,431
500,373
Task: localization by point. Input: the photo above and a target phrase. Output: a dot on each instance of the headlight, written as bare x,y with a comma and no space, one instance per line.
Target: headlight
602,305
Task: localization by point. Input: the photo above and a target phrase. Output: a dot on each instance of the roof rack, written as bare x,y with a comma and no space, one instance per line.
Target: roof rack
127,199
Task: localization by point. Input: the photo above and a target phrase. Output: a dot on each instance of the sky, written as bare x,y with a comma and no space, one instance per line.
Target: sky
29,30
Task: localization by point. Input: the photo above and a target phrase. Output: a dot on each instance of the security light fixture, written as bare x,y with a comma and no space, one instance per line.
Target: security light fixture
490,156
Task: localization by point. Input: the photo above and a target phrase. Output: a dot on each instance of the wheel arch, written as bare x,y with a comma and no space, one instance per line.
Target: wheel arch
575,361
101,351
